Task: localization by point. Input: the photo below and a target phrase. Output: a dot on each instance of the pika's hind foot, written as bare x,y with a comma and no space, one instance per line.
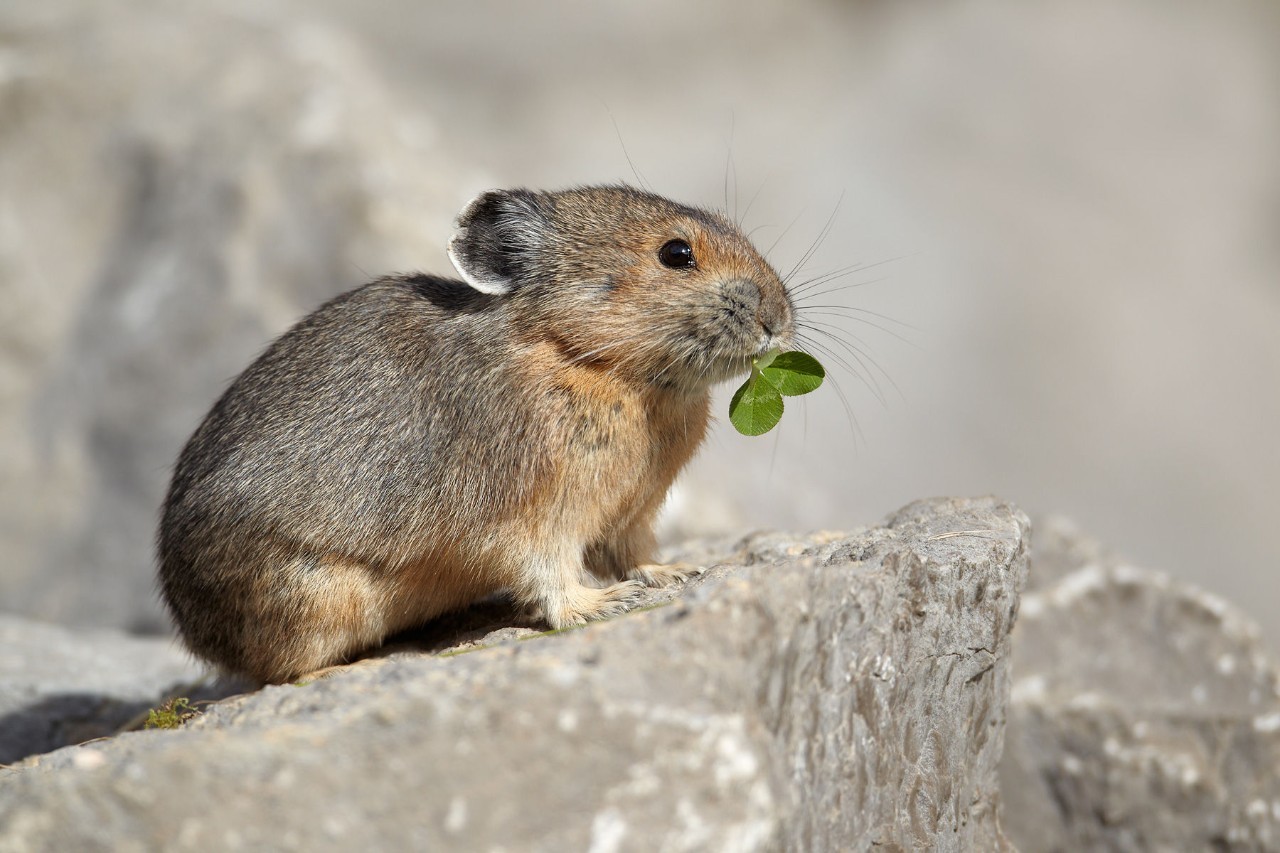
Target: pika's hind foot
589,604
657,574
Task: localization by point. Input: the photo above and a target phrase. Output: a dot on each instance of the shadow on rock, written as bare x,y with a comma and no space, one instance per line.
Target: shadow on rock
67,719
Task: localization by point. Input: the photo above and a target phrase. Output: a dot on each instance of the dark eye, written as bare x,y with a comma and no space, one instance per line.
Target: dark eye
676,254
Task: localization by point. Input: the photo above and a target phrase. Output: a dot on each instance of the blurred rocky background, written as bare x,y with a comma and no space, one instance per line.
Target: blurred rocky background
1073,207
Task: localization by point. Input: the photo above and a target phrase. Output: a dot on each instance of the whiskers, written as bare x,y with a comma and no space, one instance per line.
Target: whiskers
827,326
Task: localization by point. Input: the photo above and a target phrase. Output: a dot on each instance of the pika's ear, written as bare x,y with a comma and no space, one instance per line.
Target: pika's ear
495,238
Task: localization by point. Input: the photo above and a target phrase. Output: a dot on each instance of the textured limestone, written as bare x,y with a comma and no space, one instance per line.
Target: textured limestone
836,691
1144,714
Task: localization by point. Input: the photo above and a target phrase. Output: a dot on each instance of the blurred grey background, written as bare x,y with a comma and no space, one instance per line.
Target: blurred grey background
1073,207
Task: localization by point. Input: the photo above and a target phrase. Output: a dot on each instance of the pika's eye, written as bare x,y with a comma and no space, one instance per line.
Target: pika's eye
676,254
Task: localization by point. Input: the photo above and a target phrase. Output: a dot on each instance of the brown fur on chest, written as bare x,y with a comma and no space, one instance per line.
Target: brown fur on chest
619,444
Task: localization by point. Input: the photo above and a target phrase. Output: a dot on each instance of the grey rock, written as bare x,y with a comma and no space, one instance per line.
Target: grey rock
59,686
1144,715
175,189
824,692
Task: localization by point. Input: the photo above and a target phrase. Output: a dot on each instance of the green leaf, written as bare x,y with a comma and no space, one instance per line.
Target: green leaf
793,373
760,362
756,408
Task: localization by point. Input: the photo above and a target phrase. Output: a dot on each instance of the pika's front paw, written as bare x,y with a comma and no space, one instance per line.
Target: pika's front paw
588,604
656,574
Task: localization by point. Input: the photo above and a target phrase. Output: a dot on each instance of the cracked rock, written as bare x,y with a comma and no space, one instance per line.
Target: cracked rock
832,692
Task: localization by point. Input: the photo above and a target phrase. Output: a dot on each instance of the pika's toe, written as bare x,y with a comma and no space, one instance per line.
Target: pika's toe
655,574
588,604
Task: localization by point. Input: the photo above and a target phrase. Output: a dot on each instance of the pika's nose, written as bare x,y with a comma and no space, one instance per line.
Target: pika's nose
774,312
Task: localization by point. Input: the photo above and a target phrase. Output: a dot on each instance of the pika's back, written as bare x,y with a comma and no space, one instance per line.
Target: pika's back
344,415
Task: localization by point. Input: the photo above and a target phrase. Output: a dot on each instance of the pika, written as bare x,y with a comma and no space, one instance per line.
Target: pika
420,443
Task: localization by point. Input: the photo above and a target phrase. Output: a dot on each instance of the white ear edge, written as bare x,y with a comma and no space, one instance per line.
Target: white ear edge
493,286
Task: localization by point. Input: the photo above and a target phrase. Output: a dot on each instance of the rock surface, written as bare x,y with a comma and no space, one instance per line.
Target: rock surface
1144,714
59,686
837,691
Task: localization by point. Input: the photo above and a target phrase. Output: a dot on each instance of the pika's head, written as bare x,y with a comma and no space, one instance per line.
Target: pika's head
641,285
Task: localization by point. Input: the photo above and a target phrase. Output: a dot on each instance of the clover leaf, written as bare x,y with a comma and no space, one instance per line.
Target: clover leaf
757,407
793,373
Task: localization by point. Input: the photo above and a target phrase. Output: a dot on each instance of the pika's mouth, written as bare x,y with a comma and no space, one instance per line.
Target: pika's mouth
783,339
727,359
732,366
769,341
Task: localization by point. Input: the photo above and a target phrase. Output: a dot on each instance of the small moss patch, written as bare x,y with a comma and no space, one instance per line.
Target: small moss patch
171,714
